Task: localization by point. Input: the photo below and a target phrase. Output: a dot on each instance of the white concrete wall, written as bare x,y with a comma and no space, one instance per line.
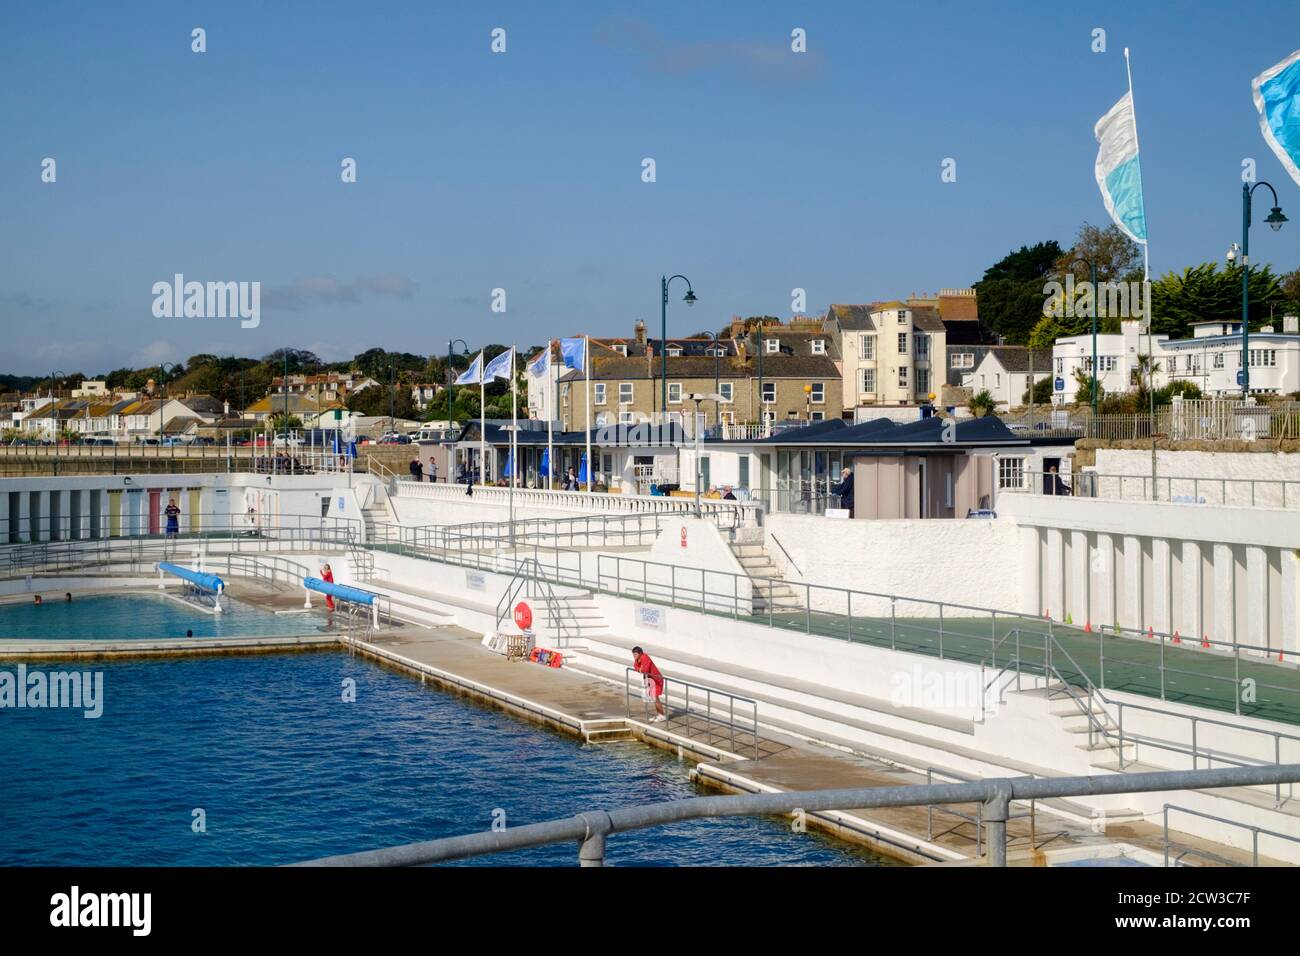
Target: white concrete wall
1261,466
963,561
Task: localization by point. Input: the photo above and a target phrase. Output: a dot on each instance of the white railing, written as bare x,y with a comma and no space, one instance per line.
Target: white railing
743,513
1170,489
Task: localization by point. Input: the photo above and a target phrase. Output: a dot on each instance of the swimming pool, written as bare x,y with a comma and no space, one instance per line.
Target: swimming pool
283,769
141,615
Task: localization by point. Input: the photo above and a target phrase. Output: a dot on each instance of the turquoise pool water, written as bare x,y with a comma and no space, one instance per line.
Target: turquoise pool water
284,769
141,615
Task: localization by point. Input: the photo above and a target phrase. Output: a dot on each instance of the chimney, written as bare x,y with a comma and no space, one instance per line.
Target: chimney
737,326
1291,324
638,332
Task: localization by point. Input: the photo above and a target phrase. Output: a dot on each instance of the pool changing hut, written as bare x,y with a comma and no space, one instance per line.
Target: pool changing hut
206,583
343,593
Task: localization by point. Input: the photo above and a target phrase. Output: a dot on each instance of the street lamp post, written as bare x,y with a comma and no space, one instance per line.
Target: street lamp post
54,415
451,381
1092,279
1274,220
698,397
689,299
163,369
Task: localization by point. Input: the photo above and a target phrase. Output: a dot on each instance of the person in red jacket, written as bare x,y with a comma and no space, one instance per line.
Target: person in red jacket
654,680
327,575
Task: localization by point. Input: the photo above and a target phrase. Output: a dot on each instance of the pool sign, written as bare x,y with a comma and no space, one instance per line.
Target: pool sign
1241,377
1060,384
523,616
683,536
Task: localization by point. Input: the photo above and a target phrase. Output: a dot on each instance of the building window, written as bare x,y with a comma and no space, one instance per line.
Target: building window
818,346
923,381
1263,358
626,418
724,389
868,380
902,343
818,393
963,359
902,376
674,351
1060,366
997,379
771,345
769,393
602,419
922,346
598,393
621,349
817,416
1011,472
1218,360
625,393
868,348
674,393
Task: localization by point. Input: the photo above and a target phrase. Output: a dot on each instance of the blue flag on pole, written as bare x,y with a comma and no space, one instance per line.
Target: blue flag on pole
1119,170
542,364
499,367
1277,98
474,374
573,352
582,471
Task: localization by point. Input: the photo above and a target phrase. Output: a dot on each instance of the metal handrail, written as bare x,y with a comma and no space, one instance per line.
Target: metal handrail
1215,857
1092,485
592,828
709,694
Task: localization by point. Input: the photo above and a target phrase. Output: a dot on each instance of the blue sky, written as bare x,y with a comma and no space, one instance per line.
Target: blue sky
522,170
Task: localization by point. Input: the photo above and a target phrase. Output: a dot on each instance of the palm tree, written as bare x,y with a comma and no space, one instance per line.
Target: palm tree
982,403
1086,384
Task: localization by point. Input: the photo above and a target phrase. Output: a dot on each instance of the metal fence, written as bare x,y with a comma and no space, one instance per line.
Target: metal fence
1201,420
1172,489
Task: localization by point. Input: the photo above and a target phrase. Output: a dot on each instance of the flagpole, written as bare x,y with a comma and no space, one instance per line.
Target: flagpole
554,407
514,422
482,422
514,442
586,364
1146,286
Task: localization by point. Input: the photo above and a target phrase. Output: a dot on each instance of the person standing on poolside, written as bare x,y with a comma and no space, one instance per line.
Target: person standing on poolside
37,602
654,682
173,513
327,575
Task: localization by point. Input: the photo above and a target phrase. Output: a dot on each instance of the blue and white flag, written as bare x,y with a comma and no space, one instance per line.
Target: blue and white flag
1119,171
1277,97
539,366
573,352
474,374
500,367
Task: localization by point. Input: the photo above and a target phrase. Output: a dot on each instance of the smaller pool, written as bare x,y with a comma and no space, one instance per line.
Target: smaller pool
141,616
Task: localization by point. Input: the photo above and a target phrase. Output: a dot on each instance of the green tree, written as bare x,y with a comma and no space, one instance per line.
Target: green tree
1204,293
1086,384
982,403
1011,291
1042,392
1116,256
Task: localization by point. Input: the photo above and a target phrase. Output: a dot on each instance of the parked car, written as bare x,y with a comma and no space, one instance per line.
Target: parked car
172,441
392,438
284,440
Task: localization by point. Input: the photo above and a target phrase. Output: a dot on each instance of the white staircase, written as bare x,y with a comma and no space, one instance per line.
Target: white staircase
769,589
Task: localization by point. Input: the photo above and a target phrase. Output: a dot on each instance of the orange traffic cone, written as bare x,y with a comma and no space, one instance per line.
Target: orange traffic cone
1151,633
1087,627
1205,640
1177,639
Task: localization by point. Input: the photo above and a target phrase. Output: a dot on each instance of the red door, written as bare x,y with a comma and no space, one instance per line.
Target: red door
155,500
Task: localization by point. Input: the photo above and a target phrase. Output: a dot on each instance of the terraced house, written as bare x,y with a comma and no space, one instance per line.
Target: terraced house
763,372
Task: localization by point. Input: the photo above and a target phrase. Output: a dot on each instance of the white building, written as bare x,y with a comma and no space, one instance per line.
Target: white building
1117,360
1005,372
890,354
1212,358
